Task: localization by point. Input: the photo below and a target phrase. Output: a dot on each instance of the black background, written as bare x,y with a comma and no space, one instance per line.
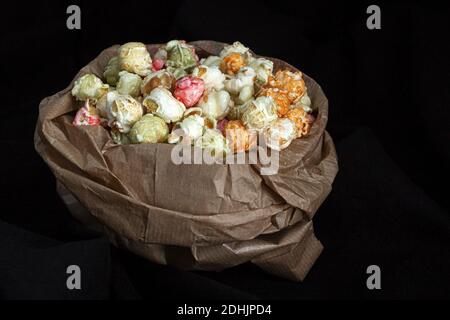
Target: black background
389,117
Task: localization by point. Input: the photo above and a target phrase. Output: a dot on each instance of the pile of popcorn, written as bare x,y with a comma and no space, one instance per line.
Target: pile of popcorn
221,102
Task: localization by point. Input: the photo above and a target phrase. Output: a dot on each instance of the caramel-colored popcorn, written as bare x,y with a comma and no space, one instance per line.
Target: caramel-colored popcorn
239,138
232,63
302,120
280,97
290,81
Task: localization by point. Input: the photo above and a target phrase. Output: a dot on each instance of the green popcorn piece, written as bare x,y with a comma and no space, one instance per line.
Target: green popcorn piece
149,129
112,70
129,84
89,86
180,55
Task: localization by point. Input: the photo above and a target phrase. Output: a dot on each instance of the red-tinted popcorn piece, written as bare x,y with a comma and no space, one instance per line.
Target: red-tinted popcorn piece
87,116
158,64
189,90
221,124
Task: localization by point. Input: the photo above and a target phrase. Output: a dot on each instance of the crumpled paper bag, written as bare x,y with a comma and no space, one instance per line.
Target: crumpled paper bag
202,217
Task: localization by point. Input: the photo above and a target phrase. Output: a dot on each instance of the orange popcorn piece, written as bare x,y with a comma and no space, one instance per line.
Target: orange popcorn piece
290,81
302,121
232,63
239,138
280,97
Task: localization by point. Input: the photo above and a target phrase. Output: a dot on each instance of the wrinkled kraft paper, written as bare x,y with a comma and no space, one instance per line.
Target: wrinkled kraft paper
202,217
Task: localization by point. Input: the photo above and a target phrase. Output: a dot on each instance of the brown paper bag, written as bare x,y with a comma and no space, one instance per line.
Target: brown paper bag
203,217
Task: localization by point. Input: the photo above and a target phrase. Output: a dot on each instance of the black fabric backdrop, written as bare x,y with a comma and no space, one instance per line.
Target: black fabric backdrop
389,100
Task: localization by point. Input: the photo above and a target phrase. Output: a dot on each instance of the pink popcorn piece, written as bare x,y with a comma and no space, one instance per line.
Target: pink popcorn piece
189,90
87,116
158,64
221,125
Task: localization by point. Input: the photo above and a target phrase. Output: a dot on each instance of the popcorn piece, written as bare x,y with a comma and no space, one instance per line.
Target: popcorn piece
263,69
245,78
157,64
180,57
232,63
104,104
134,57
260,113
161,54
129,84
215,104
161,103
239,138
160,78
221,124
112,70
89,87
236,47
237,111
149,129
214,141
292,82
210,123
87,116
301,119
305,103
280,97
211,75
241,87
189,90
245,94
124,112
192,111
191,128
279,134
